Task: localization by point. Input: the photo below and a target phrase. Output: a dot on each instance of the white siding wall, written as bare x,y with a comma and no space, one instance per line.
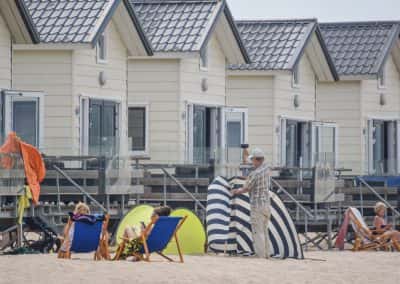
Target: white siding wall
166,86
156,83
191,77
5,55
370,101
340,102
51,73
255,93
270,97
284,95
86,72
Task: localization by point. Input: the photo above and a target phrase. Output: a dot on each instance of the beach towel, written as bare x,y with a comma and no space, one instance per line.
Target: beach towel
340,239
34,167
237,237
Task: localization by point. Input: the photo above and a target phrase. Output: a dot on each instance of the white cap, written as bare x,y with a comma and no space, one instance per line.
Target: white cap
256,153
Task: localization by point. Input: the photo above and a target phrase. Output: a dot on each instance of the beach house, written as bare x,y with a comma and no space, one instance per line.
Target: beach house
14,29
177,98
72,85
365,103
279,88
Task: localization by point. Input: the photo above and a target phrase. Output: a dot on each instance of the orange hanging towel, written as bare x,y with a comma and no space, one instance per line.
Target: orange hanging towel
35,170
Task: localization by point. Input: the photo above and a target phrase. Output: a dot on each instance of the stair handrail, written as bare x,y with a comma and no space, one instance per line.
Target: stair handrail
281,188
77,186
388,205
178,183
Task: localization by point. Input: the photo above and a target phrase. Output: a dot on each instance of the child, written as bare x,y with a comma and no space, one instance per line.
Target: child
132,234
382,228
81,210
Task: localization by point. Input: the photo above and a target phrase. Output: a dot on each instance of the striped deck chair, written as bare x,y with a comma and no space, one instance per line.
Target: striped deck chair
158,234
365,239
90,234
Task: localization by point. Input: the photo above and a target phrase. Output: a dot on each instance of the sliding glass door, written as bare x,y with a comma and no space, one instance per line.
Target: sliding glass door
103,126
383,146
296,143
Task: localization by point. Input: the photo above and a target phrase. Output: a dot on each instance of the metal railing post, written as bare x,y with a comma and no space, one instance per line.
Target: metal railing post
394,211
77,186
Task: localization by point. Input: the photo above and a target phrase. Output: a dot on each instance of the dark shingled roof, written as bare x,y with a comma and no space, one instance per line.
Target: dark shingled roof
359,48
175,25
183,25
65,21
74,21
273,45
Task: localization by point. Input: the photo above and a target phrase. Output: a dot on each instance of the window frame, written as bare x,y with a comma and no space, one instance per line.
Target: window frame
204,59
146,151
38,97
296,77
105,46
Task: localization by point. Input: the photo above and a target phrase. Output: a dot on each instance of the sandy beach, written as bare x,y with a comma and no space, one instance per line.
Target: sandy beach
338,267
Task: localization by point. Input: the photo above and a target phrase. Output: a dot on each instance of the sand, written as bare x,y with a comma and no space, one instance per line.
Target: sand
338,267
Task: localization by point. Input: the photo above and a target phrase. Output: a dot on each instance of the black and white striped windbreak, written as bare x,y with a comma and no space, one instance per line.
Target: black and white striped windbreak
229,225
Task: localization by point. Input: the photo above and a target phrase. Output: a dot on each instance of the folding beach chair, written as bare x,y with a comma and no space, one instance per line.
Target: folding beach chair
155,238
89,235
366,238
158,234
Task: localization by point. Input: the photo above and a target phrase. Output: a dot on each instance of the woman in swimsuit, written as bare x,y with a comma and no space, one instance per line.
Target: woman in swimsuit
382,228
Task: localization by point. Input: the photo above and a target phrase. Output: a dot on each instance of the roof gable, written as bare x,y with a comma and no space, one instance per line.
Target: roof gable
78,21
186,25
278,45
18,21
360,48
175,26
273,45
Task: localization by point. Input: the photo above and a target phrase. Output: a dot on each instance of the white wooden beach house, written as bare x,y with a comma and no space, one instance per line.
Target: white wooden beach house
14,29
365,103
74,81
177,98
289,59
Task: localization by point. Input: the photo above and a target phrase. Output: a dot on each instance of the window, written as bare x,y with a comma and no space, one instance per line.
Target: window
102,49
295,77
204,58
24,115
137,125
382,79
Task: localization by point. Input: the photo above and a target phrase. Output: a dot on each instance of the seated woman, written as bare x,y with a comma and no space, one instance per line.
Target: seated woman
81,209
384,229
131,244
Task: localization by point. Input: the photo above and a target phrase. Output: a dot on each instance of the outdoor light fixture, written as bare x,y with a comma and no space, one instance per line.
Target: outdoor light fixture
204,85
102,78
296,101
382,99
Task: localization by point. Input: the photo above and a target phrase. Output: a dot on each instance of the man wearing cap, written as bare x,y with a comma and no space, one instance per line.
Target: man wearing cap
257,185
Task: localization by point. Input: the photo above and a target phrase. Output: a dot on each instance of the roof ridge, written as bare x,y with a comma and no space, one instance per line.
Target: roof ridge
172,1
294,20
350,23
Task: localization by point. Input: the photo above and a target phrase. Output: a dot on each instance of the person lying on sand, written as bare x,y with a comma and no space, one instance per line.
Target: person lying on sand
81,211
382,228
131,234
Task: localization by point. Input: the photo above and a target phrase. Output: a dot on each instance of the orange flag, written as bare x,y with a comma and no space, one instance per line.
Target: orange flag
35,170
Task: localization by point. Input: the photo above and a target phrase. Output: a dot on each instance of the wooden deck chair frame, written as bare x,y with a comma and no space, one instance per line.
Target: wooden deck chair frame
143,238
377,241
102,252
